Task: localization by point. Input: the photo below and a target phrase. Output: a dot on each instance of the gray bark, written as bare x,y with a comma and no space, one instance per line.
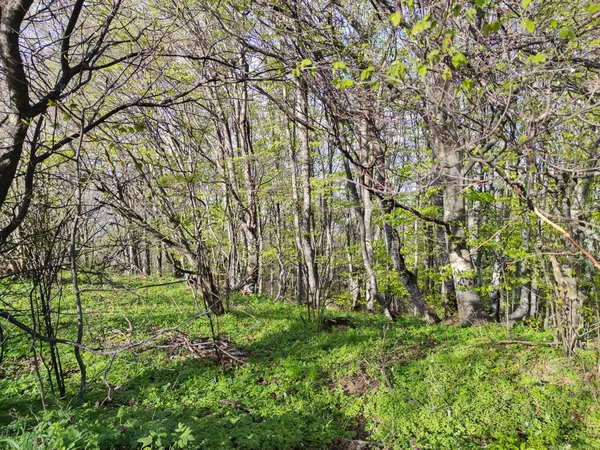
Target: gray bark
300,265
470,307
307,211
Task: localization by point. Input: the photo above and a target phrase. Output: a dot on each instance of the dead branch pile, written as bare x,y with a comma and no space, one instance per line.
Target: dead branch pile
180,345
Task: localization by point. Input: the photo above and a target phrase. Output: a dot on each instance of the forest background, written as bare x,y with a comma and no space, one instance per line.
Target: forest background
437,159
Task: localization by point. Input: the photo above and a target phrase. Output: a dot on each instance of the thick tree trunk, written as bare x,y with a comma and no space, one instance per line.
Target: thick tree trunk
281,285
14,124
470,307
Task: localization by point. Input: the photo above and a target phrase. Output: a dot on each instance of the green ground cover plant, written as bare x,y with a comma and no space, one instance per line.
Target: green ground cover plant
402,385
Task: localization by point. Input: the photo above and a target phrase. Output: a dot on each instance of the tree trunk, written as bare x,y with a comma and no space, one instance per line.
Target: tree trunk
15,124
250,225
470,307
408,278
307,212
300,264
522,311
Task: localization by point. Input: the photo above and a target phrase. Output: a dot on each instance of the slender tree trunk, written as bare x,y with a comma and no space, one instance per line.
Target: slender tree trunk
281,285
307,212
300,264
447,288
408,278
353,284
522,311
73,254
250,224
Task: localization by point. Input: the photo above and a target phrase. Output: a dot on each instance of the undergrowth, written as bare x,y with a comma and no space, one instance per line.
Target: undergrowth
404,385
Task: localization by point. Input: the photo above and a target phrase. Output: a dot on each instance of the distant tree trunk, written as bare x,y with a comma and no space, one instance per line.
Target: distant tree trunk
447,288
159,259
365,232
281,285
147,258
522,311
496,294
353,284
473,218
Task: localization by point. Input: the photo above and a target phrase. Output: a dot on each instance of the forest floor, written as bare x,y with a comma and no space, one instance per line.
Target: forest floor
281,384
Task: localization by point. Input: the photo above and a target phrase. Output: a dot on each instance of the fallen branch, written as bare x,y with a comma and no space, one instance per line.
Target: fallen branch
235,405
509,342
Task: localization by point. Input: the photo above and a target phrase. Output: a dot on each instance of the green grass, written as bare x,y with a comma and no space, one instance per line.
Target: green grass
446,388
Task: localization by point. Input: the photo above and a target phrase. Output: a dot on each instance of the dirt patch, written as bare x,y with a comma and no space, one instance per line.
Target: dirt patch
405,354
551,373
358,384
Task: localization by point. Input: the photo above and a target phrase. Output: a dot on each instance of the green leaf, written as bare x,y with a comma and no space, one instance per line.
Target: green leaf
422,70
528,25
537,58
395,18
433,56
459,60
366,74
447,73
594,8
421,26
525,3
347,84
306,62
145,441
479,3
567,33
456,10
339,65
398,69
468,85
51,103
493,27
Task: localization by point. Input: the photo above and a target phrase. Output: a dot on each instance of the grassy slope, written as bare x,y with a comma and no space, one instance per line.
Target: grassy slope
449,387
